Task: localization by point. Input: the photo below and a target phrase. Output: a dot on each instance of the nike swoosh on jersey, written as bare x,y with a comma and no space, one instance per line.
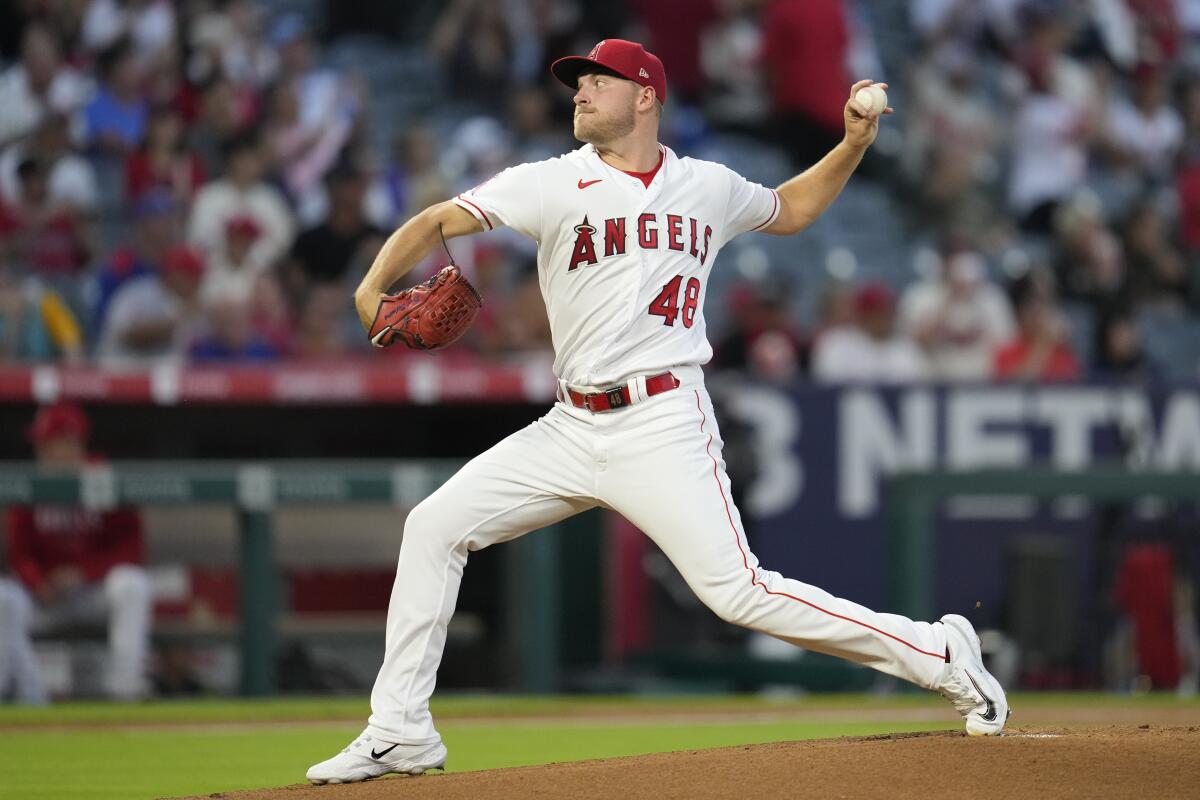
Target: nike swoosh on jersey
584,185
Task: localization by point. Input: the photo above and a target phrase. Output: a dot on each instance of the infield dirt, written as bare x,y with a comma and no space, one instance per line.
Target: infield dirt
1117,761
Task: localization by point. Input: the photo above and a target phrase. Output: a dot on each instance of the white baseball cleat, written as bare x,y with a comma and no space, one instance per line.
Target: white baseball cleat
367,758
971,688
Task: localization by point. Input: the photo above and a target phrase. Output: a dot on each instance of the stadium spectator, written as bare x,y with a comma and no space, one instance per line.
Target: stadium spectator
270,314
1157,23
35,323
1187,178
228,40
223,114
966,21
1053,124
163,160
951,149
522,325
512,321
958,320
242,192
40,84
344,243
303,153
804,53
148,26
152,319
323,325
675,28
47,237
835,308
868,350
71,179
1187,187
1159,274
115,119
1041,349
1144,131
472,44
765,340
230,272
537,135
862,52
1113,30
479,148
323,96
72,565
155,231
1089,261
735,95
230,334
166,86
1119,354
412,181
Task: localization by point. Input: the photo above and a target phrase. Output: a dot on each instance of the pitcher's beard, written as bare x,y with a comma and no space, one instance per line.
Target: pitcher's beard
603,131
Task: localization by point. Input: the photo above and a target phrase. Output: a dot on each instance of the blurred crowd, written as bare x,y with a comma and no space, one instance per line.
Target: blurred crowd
200,181
1048,161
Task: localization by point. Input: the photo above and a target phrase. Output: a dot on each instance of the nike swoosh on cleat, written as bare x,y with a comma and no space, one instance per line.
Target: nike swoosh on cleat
990,716
383,753
583,185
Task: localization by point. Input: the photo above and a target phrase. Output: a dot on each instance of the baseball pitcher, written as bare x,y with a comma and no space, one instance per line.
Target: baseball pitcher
627,234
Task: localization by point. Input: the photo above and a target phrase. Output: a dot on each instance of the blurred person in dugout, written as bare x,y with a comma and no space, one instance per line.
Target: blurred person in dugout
71,565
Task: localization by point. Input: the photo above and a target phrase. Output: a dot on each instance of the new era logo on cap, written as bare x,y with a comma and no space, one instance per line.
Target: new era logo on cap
628,59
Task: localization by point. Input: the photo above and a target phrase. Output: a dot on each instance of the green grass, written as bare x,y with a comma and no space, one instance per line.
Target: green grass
356,708
41,759
124,765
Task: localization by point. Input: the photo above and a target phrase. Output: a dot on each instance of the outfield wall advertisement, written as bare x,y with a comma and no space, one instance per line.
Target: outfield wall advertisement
822,454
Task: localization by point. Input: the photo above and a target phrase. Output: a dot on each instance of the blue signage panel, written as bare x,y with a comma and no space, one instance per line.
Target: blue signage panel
814,504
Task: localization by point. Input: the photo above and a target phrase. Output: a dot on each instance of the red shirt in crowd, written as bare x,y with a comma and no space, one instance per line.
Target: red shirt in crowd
675,28
1187,184
1158,21
43,538
1061,365
51,245
804,46
182,177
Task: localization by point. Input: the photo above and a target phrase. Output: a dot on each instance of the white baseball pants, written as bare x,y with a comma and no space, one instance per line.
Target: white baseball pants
124,598
658,463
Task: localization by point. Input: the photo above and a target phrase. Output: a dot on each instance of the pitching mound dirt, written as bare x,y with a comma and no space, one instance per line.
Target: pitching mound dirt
1112,762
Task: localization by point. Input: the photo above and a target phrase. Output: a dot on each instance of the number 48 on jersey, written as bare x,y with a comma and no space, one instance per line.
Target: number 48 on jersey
666,304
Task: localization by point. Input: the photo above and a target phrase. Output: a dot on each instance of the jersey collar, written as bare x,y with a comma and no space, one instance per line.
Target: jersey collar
668,156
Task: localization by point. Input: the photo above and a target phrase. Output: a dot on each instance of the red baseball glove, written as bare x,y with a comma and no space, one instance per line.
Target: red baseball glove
429,316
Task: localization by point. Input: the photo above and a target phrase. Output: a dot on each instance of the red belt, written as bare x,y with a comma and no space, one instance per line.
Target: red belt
618,396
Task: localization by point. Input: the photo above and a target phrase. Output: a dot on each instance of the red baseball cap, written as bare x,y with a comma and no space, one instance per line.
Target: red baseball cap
182,258
58,421
628,59
873,297
243,225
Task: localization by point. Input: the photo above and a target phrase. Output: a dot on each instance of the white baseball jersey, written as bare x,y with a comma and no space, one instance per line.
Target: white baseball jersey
623,267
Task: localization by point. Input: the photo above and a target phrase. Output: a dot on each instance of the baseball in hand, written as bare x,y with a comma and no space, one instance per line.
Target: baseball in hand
872,99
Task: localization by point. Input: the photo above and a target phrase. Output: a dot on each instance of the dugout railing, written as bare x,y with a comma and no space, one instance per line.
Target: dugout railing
911,501
256,490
